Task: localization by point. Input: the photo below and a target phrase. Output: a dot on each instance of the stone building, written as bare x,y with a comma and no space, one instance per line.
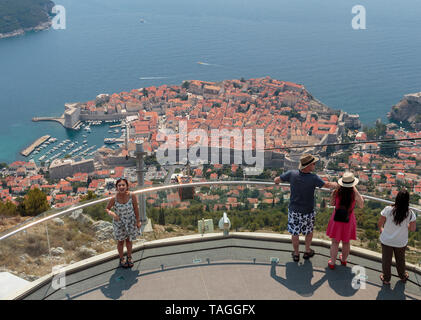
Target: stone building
71,115
60,168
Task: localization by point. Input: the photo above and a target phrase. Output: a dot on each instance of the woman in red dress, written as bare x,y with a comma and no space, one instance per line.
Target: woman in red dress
342,224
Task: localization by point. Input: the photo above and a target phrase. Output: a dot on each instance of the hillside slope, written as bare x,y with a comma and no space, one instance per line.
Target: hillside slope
19,16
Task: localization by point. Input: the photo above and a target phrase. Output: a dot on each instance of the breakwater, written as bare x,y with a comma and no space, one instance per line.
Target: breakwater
27,151
60,120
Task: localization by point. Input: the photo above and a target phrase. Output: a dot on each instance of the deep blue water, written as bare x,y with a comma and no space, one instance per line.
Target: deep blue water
106,49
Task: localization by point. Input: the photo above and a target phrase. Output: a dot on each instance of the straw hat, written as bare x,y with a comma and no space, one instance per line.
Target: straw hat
348,180
306,160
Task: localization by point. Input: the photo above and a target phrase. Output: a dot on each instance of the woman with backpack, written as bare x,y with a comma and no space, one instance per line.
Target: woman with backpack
342,224
394,223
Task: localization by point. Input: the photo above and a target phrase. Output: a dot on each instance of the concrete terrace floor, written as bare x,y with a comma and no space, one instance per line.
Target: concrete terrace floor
238,267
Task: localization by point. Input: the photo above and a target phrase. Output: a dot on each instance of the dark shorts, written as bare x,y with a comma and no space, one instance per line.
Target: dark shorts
300,223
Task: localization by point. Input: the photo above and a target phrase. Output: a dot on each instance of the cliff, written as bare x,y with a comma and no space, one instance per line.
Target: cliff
408,109
20,16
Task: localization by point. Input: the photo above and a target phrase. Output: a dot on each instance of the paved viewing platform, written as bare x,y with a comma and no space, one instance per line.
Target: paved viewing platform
243,266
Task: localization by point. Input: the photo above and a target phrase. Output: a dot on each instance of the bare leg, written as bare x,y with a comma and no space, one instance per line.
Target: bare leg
120,248
334,250
309,237
295,244
129,246
345,250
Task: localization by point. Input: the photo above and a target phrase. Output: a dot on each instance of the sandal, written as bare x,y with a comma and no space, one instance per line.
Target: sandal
123,264
308,255
382,279
342,262
406,277
129,261
330,264
295,257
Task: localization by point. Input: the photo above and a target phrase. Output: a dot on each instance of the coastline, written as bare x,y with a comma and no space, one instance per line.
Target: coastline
19,32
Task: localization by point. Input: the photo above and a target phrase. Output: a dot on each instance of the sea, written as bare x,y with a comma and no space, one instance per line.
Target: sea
111,46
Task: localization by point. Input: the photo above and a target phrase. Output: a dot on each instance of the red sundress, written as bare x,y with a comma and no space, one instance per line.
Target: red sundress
342,231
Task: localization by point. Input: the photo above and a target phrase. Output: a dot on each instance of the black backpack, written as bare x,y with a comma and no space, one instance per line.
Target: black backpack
341,214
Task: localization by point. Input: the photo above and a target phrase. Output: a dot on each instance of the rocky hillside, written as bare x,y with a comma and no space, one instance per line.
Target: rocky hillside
20,16
408,109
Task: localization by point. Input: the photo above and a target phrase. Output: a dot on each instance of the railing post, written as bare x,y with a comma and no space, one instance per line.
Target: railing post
140,169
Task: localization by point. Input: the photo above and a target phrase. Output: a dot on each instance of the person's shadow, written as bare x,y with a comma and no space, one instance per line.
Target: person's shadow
298,278
398,292
343,281
120,281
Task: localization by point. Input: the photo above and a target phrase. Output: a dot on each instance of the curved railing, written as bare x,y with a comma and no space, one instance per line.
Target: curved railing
168,187
33,249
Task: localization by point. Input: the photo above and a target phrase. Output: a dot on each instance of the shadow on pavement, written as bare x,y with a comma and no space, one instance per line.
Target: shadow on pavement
341,281
298,278
121,280
398,292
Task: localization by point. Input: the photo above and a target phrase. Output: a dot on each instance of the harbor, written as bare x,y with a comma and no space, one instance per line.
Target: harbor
75,144
27,151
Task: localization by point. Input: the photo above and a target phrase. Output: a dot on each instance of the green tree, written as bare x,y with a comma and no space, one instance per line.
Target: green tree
97,212
8,209
20,206
380,130
35,202
89,196
255,193
371,234
330,150
388,149
186,84
370,132
161,218
253,226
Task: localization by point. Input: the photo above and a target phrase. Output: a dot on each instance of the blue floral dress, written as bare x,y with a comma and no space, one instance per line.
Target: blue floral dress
126,227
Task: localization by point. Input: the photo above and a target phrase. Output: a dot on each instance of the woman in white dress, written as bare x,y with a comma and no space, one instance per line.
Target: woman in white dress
126,220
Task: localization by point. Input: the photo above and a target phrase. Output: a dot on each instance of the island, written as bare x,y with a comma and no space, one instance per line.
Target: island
20,16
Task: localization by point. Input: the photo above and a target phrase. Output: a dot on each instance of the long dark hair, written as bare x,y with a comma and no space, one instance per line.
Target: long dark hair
346,197
401,207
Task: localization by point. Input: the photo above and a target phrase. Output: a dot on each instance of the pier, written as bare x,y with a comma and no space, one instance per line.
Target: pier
27,151
117,125
60,120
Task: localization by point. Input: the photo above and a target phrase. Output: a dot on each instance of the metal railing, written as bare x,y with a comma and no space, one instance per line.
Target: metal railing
168,187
